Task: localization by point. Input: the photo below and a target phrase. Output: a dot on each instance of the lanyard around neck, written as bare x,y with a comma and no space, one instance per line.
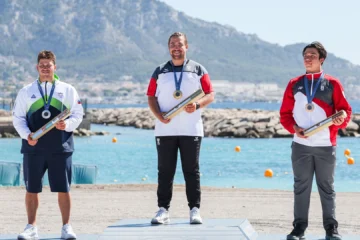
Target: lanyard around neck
178,82
46,103
311,96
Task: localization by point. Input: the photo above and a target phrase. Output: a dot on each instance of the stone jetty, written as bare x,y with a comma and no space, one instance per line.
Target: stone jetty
237,123
7,129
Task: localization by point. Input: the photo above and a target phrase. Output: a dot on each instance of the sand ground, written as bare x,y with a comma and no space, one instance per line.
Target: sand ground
97,206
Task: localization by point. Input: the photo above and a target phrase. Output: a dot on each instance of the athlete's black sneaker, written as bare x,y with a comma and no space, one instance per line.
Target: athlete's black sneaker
332,233
298,233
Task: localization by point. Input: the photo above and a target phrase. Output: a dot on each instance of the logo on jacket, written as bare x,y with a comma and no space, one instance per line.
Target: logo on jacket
196,139
33,96
300,88
79,101
60,94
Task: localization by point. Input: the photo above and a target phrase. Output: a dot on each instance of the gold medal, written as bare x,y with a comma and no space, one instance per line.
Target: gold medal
309,107
177,94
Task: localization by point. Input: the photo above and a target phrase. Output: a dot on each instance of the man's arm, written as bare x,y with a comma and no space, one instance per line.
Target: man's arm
154,107
77,112
152,99
286,110
208,90
19,115
340,103
206,100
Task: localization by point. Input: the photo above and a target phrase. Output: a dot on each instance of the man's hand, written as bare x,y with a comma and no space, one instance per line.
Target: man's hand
299,131
190,108
30,141
162,119
338,120
61,125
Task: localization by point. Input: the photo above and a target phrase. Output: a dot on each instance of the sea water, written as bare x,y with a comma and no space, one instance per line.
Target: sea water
133,159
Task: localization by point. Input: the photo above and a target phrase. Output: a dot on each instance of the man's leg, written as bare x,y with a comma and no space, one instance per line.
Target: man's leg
189,152
32,204
34,167
303,168
325,161
64,200
167,149
60,173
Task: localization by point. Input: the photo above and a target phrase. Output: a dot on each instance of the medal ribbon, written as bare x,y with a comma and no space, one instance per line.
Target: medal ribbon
178,82
46,103
306,85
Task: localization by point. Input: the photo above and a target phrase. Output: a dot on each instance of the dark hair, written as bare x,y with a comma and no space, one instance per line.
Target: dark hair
177,34
319,47
45,54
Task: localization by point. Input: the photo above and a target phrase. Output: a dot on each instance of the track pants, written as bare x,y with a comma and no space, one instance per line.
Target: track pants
167,148
305,162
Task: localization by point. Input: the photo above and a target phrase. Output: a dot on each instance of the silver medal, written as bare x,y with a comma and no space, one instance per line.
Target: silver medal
46,114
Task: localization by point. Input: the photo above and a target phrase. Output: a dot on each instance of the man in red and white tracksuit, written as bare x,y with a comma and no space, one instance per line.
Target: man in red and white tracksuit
309,99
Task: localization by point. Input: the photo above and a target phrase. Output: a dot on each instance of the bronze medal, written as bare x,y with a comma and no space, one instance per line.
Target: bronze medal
309,107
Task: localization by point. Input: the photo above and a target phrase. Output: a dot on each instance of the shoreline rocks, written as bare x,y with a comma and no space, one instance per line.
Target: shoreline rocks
7,129
234,123
237,123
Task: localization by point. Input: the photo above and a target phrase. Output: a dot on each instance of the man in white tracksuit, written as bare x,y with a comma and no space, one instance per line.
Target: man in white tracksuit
36,104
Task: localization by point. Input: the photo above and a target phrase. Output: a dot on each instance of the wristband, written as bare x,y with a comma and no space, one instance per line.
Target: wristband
197,105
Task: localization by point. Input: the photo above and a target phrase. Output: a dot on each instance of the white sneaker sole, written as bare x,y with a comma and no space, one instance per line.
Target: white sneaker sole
166,221
196,221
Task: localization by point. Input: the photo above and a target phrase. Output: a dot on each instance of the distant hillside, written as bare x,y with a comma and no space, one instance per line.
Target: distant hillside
112,40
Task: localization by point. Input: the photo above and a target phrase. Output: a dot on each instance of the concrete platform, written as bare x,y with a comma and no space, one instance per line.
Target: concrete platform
180,229
52,237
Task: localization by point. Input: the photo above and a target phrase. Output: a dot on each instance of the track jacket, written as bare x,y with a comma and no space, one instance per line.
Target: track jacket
27,117
162,86
329,98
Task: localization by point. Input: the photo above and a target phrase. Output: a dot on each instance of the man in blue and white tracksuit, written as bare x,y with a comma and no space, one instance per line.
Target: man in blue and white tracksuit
36,104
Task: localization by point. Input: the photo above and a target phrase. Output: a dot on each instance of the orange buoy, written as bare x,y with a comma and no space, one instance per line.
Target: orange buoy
114,140
268,173
350,161
237,149
347,152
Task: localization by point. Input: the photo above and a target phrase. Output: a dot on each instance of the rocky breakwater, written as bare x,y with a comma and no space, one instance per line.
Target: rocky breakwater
238,123
7,129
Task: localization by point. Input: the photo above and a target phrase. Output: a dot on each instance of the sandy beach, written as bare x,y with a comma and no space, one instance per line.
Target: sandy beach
97,206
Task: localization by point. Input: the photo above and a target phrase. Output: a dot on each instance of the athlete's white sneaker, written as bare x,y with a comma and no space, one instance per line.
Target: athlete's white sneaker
67,232
195,217
30,233
161,217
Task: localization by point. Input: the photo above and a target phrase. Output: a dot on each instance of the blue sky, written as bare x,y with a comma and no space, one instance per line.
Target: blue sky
334,23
